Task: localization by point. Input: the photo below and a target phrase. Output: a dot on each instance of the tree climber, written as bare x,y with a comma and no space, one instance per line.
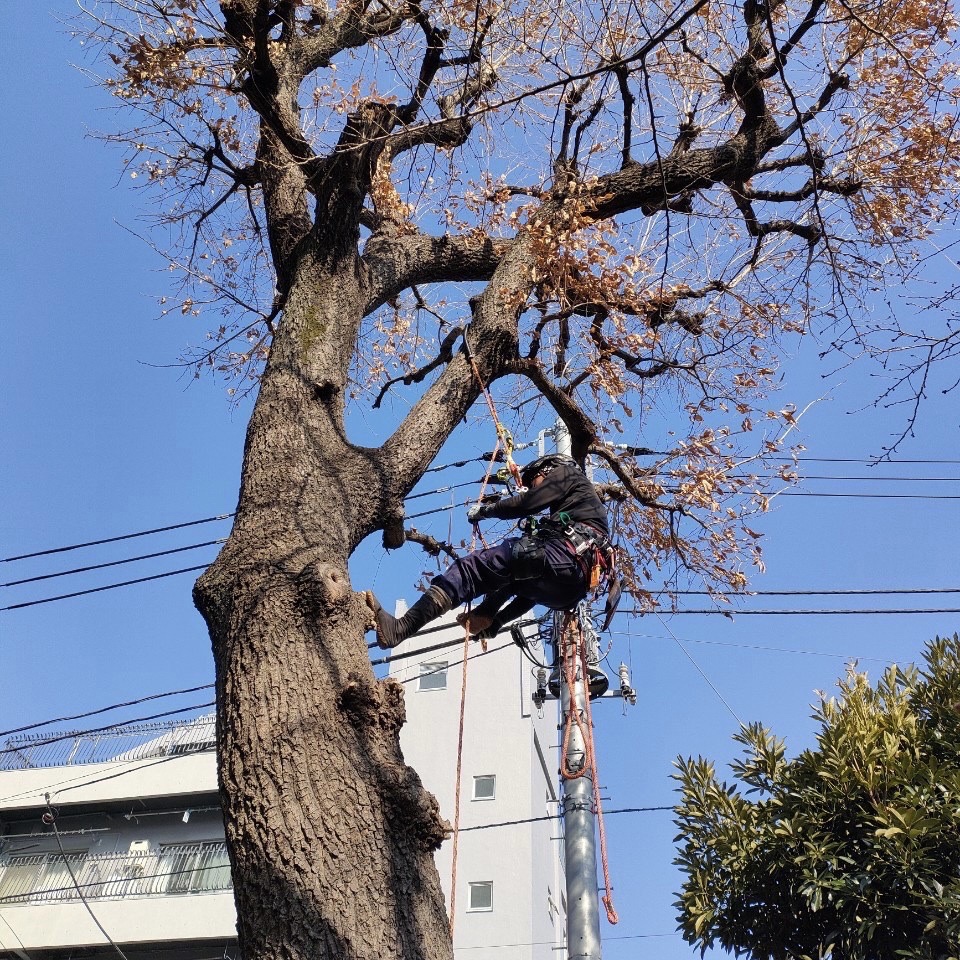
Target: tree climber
554,563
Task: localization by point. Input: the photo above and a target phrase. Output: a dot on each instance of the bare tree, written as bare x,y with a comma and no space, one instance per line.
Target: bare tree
615,212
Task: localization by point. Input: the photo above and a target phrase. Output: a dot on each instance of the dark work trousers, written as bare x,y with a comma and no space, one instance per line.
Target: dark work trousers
561,586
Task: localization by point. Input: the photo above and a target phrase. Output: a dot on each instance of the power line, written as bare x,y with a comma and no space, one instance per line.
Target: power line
66,861
873,496
114,563
109,586
790,613
60,785
556,816
767,649
810,476
442,646
425,513
193,523
446,489
27,894
823,593
702,673
73,734
447,644
113,706
872,463
41,741
462,463
125,536
560,946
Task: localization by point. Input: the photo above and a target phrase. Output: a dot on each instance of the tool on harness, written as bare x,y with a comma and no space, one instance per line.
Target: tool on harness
528,558
597,556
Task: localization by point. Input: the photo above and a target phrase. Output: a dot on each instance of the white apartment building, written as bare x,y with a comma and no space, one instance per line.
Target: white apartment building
137,825
510,902
134,823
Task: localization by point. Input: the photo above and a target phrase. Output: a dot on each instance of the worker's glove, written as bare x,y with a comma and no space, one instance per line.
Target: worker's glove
488,633
477,512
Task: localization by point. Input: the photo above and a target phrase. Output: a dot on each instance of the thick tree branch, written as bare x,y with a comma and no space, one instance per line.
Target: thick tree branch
432,546
394,264
583,431
350,28
628,99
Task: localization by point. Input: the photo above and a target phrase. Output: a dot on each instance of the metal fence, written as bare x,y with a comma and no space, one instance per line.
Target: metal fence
173,869
124,742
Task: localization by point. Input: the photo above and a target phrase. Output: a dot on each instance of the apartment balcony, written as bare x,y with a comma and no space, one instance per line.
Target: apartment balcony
175,892
125,762
135,741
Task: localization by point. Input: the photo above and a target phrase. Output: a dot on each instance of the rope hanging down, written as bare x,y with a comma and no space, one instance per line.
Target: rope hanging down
463,704
574,661
456,798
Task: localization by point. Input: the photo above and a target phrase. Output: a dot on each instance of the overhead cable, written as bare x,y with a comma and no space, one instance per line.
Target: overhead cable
114,563
449,487
873,496
51,814
42,741
45,891
125,536
109,586
731,612
113,706
702,673
821,593
556,816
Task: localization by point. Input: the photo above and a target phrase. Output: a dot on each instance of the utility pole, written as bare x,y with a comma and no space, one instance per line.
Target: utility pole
576,802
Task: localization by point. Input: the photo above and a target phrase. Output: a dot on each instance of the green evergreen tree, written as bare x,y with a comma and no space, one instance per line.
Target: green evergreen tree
851,851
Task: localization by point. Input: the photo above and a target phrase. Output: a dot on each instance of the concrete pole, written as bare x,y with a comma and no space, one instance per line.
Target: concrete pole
576,802
579,836
561,437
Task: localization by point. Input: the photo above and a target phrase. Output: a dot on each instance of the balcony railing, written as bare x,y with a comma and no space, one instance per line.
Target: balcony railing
124,742
175,869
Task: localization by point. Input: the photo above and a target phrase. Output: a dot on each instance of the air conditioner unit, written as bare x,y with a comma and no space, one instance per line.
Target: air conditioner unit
140,846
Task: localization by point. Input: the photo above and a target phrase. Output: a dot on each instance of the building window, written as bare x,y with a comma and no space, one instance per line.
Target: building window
41,877
433,676
196,867
485,787
481,896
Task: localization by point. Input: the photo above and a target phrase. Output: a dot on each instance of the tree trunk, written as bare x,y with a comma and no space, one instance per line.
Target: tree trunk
331,835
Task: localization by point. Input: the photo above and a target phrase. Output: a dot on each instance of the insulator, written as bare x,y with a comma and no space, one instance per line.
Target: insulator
540,694
626,691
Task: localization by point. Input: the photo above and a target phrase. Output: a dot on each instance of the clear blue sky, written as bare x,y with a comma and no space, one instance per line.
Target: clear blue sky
100,439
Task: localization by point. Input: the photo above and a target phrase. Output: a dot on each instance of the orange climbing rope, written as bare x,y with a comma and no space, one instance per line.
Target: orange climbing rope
572,660
456,801
506,440
463,706
503,434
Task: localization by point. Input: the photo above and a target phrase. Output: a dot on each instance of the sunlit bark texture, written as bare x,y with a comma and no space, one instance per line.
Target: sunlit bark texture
625,210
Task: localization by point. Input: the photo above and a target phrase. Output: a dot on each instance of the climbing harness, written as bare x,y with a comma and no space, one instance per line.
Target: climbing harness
573,651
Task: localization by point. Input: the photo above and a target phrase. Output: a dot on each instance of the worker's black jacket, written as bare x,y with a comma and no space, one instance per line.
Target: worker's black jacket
564,490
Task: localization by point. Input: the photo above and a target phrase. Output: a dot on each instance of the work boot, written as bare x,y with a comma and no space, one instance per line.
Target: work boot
391,631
